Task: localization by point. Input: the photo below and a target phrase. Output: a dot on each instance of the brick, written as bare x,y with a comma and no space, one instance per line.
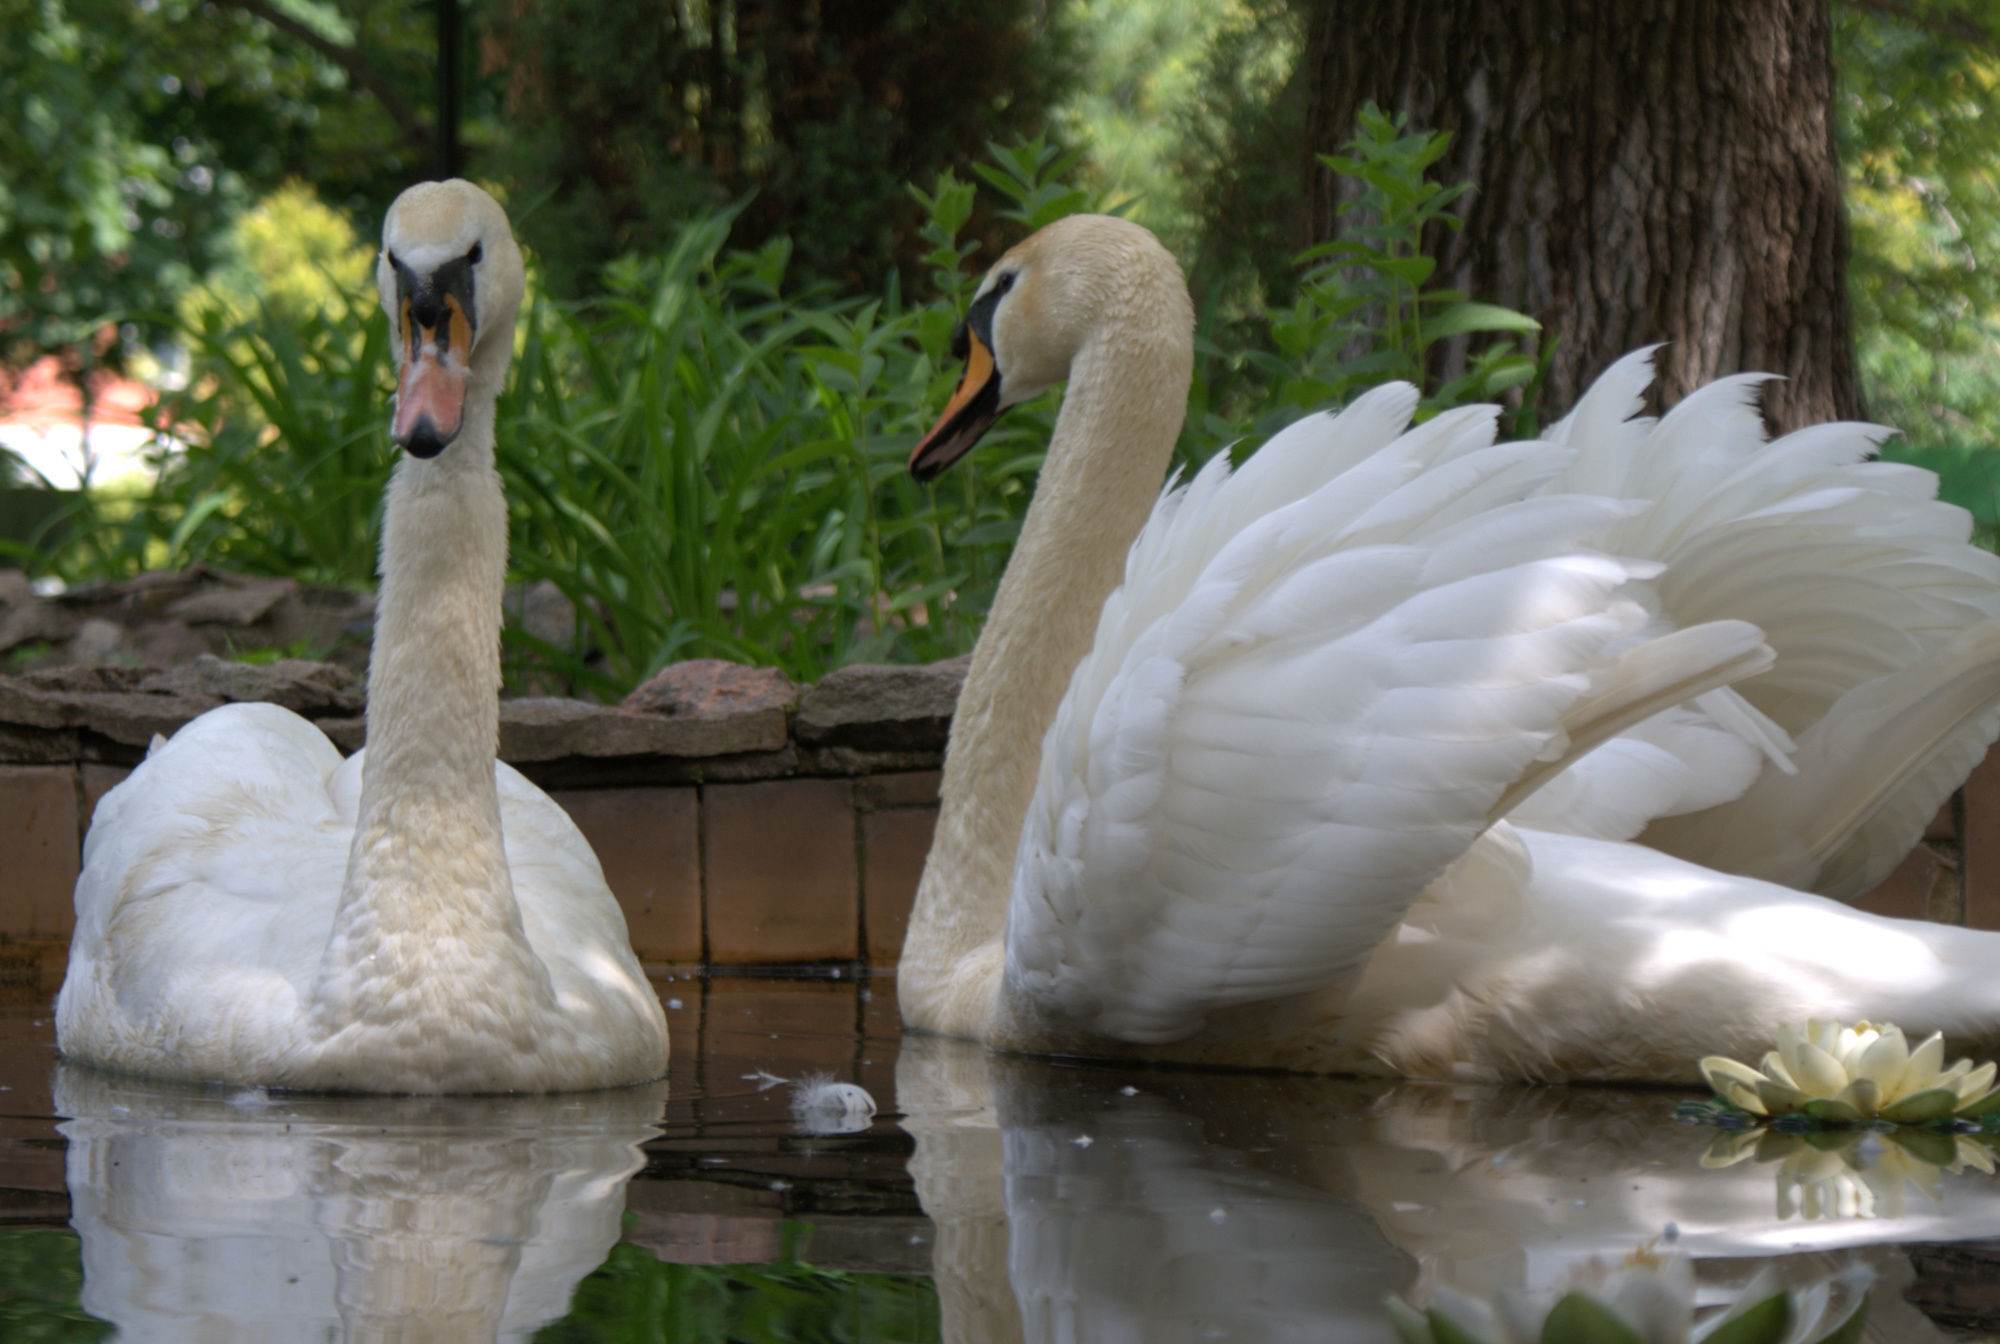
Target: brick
893,846
907,788
1981,841
38,834
1906,892
99,780
648,842
710,1239
779,873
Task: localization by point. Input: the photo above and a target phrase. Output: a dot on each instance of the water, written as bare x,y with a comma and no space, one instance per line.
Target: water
993,1199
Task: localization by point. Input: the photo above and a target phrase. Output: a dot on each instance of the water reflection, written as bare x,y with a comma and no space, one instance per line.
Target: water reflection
214,1215
1854,1173
1096,1204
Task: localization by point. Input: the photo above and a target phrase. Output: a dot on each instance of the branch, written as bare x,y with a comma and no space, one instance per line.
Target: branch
414,132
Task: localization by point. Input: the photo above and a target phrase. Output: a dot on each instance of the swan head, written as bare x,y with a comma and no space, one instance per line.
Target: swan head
1048,299
450,279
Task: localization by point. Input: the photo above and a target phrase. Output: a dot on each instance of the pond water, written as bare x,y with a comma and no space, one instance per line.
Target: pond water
992,1199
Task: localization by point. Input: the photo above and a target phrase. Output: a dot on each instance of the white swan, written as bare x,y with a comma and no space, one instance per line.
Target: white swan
1327,676
418,918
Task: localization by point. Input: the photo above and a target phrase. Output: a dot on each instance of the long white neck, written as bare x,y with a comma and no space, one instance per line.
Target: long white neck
427,867
1123,409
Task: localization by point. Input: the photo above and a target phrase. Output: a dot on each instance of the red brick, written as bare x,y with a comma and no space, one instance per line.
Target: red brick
38,834
915,788
648,842
779,872
1982,845
1905,893
893,846
99,780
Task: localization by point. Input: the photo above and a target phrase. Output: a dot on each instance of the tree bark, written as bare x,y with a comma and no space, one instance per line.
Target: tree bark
1650,170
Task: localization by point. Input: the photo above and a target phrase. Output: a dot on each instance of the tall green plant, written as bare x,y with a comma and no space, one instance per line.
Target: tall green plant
1366,311
708,463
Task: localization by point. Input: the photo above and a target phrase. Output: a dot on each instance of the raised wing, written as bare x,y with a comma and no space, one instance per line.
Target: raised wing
1300,708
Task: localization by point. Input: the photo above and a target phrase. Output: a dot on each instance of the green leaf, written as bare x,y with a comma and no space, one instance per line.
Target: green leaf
1581,1319
1411,1327
1934,1103
1447,1331
1850,1330
1465,317
1764,1323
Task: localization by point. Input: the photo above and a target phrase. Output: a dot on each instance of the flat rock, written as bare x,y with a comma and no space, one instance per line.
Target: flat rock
350,735
36,622
883,707
84,678
543,610
133,717
739,708
99,641
546,728
15,588
235,600
304,687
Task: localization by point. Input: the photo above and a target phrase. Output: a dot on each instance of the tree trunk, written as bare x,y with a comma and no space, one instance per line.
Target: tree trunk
1651,170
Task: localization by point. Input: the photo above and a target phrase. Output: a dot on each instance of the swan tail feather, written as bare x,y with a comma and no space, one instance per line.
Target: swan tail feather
1837,825
1850,567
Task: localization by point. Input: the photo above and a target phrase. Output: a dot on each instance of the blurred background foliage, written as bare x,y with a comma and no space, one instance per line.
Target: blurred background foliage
751,227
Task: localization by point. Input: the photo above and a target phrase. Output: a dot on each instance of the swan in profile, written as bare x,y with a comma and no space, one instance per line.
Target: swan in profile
418,918
1232,770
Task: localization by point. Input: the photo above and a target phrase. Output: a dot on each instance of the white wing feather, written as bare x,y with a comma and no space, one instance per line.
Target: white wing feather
1298,710
1859,578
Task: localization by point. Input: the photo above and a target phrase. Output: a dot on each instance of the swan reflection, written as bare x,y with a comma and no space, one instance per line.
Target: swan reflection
217,1215
1102,1205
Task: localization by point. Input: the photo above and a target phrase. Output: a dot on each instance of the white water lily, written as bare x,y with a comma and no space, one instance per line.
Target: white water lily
1844,1075
1646,1299
1853,1173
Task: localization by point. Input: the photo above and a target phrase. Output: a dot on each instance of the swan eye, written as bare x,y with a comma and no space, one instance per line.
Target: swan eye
472,257
395,264
1004,283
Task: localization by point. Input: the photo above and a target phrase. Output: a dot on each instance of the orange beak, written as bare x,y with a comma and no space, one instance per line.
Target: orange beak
970,413
430,394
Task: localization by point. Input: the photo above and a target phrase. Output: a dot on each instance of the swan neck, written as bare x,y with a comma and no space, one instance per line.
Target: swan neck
434,669
1113,438
427,862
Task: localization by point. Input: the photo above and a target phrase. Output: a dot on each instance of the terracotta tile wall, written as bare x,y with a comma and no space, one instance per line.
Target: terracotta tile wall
803,870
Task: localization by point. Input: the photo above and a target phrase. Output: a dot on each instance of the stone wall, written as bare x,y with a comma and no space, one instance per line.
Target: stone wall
741,819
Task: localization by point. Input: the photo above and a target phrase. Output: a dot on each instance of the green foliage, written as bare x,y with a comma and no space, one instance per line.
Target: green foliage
1919,99
708,464
1365,311
291,251
636,1299
88,217
625,120
41,1286
137,131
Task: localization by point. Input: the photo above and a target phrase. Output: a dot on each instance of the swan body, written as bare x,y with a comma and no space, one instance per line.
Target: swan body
1284,713
418,918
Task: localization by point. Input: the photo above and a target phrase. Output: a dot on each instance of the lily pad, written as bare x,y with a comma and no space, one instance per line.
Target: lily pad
1920,1108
